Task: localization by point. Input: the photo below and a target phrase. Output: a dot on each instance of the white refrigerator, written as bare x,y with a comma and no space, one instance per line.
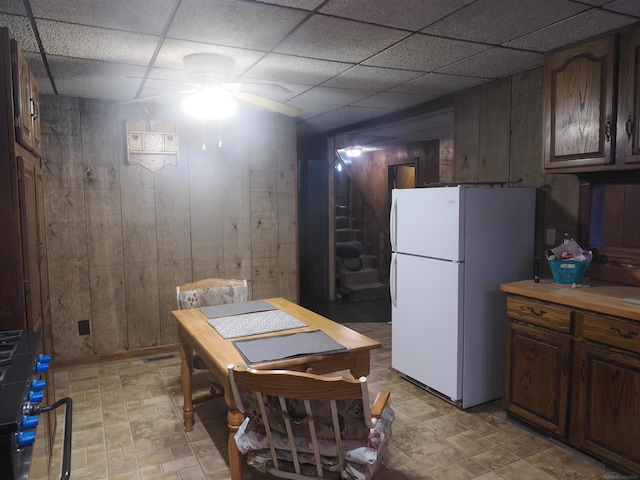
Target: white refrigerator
452,248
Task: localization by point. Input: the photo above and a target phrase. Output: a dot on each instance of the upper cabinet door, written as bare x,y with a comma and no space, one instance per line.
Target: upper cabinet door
579,118
628,130
26,102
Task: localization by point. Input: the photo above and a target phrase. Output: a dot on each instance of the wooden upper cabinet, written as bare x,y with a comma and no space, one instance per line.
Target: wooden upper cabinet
628,129
579,116
26,102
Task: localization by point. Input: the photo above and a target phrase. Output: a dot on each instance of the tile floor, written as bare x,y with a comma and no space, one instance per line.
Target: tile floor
128,425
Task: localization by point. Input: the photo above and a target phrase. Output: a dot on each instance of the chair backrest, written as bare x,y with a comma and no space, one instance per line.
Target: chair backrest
211,291
304,422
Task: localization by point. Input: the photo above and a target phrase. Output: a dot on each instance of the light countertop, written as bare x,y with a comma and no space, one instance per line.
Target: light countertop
600,297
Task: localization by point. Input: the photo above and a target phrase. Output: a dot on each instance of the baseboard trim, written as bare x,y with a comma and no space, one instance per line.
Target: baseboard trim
106,357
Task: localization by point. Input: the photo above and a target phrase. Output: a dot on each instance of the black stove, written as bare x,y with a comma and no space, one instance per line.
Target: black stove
21,395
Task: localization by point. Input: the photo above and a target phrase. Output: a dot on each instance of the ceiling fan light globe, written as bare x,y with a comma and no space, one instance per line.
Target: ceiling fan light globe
209,104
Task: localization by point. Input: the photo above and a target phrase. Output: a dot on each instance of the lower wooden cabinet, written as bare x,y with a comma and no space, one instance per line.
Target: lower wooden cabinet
606,405
576,375
536,384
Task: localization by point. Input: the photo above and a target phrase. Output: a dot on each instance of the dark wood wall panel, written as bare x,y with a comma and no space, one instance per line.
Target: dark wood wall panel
122,237
495,131
467,135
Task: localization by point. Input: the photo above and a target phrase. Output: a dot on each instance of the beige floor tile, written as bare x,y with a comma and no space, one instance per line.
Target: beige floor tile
128,425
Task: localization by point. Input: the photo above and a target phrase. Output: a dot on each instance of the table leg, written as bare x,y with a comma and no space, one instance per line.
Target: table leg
234,418
361,366
186,355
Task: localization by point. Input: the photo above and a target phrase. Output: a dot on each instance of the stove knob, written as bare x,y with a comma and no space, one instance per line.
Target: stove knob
26,439
35,397
40,367
29,422
38,385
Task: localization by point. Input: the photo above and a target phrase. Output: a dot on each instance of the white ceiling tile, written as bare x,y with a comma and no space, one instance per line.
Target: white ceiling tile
585,25
424,53
495,63
283,68
498,21
413,15
95,79
438,84
629,7
333,96
20,29
331,38
232,23
143,16
95,43
371,78
393,101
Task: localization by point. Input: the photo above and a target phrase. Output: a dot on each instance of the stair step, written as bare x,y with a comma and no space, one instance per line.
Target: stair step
351,279
353,243
369,261
342,222
347,234
361,293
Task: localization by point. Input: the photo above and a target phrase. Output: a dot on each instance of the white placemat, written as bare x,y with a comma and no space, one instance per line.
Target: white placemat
255,323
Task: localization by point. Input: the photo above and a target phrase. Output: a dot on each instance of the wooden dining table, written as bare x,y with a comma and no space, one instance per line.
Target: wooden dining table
197,335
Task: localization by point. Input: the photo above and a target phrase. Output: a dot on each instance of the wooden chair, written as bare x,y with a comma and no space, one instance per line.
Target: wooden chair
301,425
206,293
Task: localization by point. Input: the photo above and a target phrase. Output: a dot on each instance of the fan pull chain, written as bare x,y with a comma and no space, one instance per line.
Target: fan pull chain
219,134
204,147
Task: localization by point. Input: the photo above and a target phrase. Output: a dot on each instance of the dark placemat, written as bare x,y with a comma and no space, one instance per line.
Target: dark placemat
217,311
287,346
254,323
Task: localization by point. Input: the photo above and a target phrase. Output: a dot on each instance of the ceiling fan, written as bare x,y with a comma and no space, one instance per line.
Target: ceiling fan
209,75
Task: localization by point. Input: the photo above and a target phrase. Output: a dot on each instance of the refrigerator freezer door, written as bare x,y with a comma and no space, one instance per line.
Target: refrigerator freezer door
428,222
426,341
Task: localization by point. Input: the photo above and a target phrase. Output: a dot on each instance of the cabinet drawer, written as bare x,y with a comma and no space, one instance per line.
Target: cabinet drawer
545,315
611,331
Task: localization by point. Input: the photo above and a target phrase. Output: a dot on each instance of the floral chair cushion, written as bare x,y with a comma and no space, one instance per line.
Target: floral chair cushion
218,295
361,455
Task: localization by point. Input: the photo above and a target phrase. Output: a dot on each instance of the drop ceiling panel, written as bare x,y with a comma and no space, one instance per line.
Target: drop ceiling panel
371,78
424,53
439,84
499,21
331,38
20,29
232,23
79,41
142,16
587,24
495,63
343,61
283,68
414,14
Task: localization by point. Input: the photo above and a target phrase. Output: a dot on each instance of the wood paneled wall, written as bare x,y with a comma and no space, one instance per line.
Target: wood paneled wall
120,237
498,138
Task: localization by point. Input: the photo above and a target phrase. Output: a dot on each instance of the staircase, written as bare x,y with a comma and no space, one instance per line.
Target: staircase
357,279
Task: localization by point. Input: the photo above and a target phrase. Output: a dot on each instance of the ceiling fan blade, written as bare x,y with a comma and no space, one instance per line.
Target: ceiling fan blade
267,103
154,97
273,88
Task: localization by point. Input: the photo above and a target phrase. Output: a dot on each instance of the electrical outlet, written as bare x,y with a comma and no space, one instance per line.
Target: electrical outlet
83,327
550,237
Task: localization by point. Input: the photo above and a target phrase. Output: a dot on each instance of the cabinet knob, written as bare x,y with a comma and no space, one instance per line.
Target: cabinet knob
629,334
537,313
629,127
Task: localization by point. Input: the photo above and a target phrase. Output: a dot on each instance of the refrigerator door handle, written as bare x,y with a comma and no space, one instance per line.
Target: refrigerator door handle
392,225
392,280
